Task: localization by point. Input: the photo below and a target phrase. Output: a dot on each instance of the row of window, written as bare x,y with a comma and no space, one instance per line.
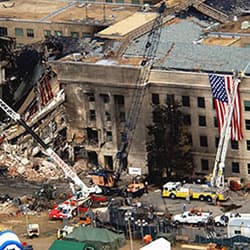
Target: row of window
202,121
20,32
92,116
235,166
234,144
185,101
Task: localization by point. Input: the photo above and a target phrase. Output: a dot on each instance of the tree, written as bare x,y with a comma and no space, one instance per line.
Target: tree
169,149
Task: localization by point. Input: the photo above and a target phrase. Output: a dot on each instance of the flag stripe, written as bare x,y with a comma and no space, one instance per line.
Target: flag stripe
222,90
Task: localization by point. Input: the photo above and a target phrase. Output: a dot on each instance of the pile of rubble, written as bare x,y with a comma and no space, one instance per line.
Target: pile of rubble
230,7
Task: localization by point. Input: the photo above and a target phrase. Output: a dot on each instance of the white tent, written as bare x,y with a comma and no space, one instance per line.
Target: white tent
159,244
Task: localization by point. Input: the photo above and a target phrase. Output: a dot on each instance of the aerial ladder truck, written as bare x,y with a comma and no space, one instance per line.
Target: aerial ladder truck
148,59
218,177
68,172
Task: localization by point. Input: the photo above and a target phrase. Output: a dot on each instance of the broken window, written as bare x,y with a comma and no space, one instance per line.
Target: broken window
18,32
108,116
92,115
105,98
92,157
3,31
109,136
92,136
80,153
108,161
91,97
30,33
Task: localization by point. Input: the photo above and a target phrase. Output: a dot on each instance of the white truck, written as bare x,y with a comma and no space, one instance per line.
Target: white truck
238,226
222,220
33,230
192,218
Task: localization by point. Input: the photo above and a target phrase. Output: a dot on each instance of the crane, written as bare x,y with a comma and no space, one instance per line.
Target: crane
69,173
147,62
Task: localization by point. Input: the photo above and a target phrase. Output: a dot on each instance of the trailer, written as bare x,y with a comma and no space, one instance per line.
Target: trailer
238,226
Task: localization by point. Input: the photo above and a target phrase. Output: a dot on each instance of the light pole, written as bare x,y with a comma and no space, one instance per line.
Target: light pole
128,218
141,223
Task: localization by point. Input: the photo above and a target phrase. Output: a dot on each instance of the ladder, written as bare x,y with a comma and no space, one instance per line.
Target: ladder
217,179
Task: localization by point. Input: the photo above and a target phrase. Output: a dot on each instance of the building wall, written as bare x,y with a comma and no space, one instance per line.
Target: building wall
196,85
40,28
86,86
81,79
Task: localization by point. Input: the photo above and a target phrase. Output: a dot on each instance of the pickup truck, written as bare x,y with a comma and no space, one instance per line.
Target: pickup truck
192,218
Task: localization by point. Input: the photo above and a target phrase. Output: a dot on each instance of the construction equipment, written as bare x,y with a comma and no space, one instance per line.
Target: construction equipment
69,173
148,59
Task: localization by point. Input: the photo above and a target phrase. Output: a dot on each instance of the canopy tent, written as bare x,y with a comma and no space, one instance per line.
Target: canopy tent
70,245
98,237
158,244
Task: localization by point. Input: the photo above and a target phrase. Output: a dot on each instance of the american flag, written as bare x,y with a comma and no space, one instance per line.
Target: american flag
222,89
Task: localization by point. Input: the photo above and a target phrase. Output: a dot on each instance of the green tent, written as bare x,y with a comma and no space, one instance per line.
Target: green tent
70,245
100,238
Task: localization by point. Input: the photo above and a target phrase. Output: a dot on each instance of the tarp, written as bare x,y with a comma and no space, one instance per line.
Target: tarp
159,244
70,245
98,237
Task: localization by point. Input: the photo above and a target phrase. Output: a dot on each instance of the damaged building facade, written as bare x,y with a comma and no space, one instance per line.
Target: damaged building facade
96,113
98,92
99,95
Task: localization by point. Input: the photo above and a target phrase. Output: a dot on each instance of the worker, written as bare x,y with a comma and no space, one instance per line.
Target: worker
184,207
146,186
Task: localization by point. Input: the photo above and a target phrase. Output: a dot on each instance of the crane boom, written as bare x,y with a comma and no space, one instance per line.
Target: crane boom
69,173
138,95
